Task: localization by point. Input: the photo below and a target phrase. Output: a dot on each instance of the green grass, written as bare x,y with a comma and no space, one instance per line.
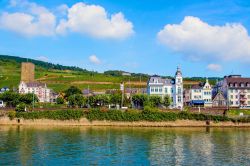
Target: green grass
237,112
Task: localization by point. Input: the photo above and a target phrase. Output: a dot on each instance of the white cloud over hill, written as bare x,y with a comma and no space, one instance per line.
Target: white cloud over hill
94,59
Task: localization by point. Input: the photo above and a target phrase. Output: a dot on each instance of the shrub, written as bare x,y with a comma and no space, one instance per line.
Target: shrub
21,107
12,115
59,100
56,115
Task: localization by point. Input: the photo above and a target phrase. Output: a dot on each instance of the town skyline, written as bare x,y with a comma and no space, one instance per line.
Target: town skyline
136,37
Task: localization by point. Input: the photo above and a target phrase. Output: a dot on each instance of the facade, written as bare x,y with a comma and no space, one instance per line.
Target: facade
28,84
43,93
172,87
219,100
236,89
28,72
200,94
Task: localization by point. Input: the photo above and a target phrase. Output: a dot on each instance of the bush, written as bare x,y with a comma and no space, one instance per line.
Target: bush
148,114
21,107
56,115
59,100
12,115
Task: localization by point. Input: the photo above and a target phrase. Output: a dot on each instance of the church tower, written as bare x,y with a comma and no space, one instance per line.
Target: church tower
178,89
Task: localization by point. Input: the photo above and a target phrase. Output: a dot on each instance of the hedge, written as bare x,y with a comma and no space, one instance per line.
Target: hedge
148,114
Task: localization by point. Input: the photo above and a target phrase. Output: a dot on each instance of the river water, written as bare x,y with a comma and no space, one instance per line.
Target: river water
23,145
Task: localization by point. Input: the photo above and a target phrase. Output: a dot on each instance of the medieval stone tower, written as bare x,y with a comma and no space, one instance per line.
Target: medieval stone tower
28,72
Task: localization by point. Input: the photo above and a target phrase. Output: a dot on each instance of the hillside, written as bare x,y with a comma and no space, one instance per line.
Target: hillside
59,77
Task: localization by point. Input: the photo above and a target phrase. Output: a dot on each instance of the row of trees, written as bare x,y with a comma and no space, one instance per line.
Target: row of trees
20,101
74,97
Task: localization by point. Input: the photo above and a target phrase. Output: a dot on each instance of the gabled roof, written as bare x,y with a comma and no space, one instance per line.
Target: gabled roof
198,86
237,81
35,84
159,80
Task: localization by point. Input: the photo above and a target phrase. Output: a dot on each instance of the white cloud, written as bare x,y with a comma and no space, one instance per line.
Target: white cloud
43,58
198,40
94,21
36,21
94,59
214,67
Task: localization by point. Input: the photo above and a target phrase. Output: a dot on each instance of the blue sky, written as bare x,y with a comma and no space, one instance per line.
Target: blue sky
206,38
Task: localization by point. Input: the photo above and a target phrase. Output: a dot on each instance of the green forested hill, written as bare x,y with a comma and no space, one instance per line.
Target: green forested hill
59,77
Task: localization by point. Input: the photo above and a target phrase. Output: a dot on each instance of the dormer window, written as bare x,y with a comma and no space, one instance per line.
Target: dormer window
231,85
235,85
248,84
242,85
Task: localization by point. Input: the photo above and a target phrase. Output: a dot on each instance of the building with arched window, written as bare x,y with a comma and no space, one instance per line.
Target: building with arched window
164,86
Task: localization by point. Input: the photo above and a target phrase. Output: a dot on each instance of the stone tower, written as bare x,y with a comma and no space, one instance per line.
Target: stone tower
28,72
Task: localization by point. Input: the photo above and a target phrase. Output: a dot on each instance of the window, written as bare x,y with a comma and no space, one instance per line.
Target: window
160,89
242,85
248,102
166,90
236,96
231,103
235,90
152,89
232,91
172,90
231,96
237,102
156,89
179,80
248,96
179,90
179,99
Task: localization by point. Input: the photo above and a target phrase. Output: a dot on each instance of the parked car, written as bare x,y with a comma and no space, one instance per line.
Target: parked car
1,104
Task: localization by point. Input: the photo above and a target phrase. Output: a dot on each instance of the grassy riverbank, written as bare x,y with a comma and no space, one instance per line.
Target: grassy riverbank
148,114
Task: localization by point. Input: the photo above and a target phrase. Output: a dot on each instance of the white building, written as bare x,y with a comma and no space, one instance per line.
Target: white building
200,94
43,93
236,89
172,87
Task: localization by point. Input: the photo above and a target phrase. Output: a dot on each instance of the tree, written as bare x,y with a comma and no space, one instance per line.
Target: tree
139,100
166,101
72,91
154,101
11,98
28,98
59,100
76,100
116,98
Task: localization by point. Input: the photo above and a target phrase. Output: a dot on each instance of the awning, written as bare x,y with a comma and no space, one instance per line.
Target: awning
200,102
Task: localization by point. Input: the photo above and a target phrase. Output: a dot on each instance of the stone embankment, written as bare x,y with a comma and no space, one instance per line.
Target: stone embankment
86,122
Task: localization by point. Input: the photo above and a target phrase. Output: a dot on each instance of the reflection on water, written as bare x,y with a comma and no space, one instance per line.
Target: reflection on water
20,145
